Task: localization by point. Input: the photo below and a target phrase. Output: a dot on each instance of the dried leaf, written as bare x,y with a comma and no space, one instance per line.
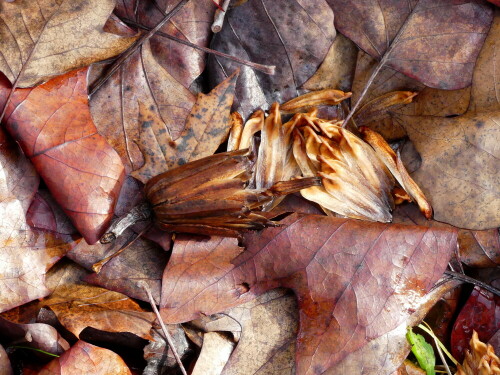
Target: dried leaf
47,38
52,123
115,107
191,23
214,354
480,360
438,41
293,35
352,288
26,254
84,358
207,126
5,362
159,355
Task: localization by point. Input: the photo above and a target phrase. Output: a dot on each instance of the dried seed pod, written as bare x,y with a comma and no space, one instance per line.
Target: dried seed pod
314,99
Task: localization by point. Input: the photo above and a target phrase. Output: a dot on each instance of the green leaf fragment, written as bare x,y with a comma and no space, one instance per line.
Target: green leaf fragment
423,352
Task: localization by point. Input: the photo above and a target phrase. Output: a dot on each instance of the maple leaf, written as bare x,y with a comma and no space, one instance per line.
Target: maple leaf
46,38
52,123
359,285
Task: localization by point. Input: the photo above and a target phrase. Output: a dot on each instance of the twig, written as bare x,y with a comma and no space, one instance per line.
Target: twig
138,213
164,329
268,69
219,16
138,43
471,280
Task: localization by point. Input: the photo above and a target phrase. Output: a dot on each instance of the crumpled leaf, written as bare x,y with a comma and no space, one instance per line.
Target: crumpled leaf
36,335
438,43
360,284
78,305
52,123
293,35
191,23
115,107
85,358
481,314
207,126
158,353
25,253
480,360
423,351
46,38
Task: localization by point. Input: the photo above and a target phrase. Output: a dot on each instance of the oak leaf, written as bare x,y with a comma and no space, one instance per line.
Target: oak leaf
293,35
359,285
436,42
42,39
85,358
52,123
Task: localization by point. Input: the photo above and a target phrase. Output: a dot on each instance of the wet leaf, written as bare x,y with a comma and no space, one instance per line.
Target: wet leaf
293,35
207,126
52,123
438,41
46,38
360,284
84,358
192,24
25,253
481,313
115,107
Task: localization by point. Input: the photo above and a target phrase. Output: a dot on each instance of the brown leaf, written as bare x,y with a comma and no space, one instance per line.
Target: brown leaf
293,35
359,285
115,107
438,41
269,327
459,171
52,123
84,358
207,126
191,23
46,38
78,305
480,360
26,254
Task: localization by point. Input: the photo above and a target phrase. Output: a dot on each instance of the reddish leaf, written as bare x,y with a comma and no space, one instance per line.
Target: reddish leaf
52,123
482,314
359,285
25,254
84,358
439,40
293,35
192,23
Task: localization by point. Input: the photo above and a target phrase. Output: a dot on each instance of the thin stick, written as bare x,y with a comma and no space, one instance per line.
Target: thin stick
268,69
164,329
138,43
471,280
219,16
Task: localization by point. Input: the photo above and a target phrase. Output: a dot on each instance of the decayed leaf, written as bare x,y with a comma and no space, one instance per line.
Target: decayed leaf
481,314
25,254
36,335
207,126
191,23
115,107
52,123
337,69
158,353
438,41
359,285
269,327
293,35
84,358
480,360
46,38
214,354
409,368
460,164
78,305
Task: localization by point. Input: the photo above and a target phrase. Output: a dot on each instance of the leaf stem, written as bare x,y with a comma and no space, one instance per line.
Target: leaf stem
164,329
138,43
268,69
